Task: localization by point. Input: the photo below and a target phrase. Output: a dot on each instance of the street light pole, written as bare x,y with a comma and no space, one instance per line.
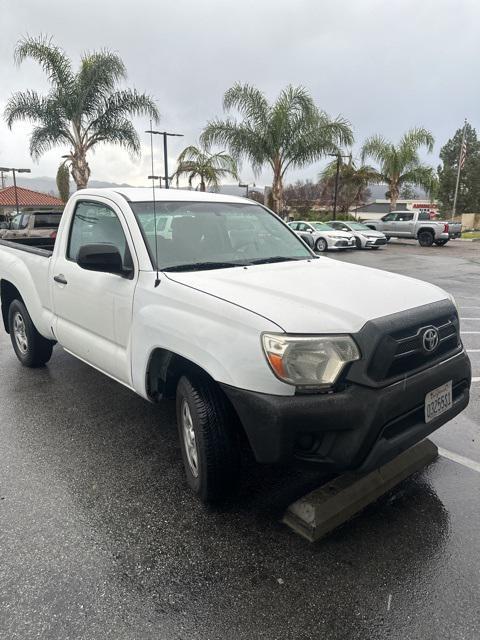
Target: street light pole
14,171
165,151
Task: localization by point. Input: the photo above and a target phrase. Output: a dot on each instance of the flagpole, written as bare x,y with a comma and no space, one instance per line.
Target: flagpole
454,210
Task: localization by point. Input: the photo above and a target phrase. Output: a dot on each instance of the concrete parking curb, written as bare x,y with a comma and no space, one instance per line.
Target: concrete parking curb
332,504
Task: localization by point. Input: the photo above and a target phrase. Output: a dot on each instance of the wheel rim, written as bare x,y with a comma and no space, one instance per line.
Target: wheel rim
321,245
20,333
189,439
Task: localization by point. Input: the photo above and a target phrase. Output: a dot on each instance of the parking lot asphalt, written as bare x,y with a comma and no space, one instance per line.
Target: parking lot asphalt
99,537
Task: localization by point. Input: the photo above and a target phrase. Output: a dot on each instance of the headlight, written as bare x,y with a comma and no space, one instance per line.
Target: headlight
309,361
454,302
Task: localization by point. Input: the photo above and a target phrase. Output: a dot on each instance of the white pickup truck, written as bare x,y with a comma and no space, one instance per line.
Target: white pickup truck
214,301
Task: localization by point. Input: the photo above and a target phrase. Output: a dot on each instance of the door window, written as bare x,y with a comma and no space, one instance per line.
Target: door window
404,217
20,221
424,215
95,223
391,217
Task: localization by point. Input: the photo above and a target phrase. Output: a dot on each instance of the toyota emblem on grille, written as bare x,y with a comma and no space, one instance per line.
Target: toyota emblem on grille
430,339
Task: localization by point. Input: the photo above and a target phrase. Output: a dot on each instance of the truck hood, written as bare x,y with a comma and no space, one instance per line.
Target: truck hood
317,296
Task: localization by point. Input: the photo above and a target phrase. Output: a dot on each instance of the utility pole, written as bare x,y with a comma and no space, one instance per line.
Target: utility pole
14,172
166,177
337,175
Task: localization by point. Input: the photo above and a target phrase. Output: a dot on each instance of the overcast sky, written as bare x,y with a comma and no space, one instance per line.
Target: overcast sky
386,65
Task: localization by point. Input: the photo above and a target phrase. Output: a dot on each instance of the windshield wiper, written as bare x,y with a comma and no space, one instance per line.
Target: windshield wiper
199,266
278,259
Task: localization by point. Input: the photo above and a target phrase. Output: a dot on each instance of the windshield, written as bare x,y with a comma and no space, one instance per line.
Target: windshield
321,226
358,226
203,235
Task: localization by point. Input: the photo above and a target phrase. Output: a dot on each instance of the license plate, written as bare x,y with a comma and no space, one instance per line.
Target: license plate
438,401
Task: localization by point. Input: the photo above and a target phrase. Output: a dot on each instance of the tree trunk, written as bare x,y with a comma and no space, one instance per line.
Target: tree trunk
277,193
394,194
202,185
80,169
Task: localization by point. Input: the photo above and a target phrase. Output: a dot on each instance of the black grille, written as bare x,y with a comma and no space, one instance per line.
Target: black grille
402,352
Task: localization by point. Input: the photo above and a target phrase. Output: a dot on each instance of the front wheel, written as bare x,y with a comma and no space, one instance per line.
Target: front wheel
208,438
441,243
358,242
425,238
321,245
31,348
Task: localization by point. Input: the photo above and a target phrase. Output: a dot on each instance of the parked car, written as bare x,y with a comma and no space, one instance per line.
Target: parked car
254,335
31,224
418,225
324,236
365,238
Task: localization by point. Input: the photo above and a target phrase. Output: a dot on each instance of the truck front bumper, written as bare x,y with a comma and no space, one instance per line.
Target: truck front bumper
357,428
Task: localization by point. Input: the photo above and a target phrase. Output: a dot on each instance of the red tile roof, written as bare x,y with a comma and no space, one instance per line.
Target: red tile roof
27,198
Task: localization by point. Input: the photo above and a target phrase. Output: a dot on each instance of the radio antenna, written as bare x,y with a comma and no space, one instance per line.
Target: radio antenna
157,278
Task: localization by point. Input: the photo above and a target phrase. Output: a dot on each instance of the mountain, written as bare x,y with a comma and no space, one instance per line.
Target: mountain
48,185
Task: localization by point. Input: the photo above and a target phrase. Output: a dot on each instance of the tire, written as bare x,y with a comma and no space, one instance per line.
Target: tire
375,248
441,243
31,348
208,438
358,242
321,245
425,238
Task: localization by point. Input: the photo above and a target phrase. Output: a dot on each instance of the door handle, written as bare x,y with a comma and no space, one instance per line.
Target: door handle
60,279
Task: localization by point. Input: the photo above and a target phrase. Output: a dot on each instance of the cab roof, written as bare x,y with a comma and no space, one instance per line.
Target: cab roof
144,194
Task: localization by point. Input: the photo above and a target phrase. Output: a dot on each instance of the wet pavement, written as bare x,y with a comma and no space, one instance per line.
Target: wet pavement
99,537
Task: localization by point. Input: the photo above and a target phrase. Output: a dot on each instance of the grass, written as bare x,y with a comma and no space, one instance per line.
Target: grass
469,235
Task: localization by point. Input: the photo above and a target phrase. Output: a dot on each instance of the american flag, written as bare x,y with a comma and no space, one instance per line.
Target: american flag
463,153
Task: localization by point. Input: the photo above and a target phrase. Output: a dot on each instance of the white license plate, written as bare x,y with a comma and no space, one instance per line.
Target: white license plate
438,401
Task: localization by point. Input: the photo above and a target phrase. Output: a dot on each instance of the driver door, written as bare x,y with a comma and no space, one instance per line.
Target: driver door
93,309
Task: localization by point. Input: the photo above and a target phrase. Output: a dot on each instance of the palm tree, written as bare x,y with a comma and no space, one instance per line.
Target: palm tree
209,168
290,133
82,109
400,165
352,183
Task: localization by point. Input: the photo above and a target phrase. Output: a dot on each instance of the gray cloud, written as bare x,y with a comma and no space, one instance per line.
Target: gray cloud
386,66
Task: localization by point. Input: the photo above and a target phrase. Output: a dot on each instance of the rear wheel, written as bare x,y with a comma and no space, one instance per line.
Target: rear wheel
321,245
208,438
31,348
425,238
441,243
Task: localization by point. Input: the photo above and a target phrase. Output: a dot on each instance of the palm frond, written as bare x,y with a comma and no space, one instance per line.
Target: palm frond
121,133
50,57
249,101
25,105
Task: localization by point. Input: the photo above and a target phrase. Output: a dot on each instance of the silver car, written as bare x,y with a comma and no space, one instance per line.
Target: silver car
365,238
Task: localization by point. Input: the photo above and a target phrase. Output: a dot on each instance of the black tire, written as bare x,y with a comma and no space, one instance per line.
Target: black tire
31,348
358,242
216,472
321,245
441,243
425,238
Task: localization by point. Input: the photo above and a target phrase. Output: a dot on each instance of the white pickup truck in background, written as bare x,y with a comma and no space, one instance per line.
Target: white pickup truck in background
214,301
416,225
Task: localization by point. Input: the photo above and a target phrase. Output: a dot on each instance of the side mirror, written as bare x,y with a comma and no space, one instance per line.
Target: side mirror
105,258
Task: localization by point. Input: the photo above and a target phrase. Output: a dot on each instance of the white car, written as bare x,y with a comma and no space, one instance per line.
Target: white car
313,360
365,238
324,236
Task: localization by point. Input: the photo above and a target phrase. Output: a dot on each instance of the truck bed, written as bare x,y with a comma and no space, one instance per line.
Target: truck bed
39,246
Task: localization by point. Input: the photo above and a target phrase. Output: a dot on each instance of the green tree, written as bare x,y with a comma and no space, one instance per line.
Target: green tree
469,186
353,182
82,109
63,182
290,133
400,164
209,168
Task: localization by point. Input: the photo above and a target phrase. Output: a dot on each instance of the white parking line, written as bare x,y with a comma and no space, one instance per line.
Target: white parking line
469,333
455,457
469,318
475,379
473,350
